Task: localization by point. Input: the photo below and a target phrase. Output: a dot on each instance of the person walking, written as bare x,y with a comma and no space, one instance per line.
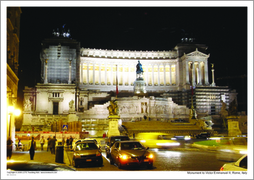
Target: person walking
32,147
48,147
9,148
67,141
53,144
70,141
42,141
63,141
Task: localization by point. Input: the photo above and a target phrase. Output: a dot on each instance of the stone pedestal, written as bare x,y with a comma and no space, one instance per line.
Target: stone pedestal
113,125
72,117
27,118
233,126
139,86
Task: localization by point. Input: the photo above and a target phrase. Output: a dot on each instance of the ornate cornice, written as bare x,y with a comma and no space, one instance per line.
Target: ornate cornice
122,54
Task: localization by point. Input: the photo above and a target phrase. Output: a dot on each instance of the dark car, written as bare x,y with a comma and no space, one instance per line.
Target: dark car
203,135
112,140
35,166
86,152
131,153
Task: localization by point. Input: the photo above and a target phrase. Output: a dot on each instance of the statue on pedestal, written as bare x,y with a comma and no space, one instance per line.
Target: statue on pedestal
139,70
113,108
71,105
27,105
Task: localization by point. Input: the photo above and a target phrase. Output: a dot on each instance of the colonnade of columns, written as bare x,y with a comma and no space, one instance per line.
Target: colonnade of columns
105,74
196,72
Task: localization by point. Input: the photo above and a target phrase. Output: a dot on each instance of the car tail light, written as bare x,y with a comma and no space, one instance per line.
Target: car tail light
98,154
222,168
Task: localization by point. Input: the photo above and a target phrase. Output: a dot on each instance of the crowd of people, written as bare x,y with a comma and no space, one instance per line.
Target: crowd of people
51,144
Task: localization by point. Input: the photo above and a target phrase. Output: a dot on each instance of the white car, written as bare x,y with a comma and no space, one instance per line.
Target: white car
232,148
240,165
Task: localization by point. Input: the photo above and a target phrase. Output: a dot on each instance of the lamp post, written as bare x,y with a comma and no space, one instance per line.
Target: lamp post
11,113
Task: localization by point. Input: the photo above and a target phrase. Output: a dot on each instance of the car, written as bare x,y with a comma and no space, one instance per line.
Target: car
157,140
231,148
86,152
81,140
131,153
203,135
112,140
240,165
35,166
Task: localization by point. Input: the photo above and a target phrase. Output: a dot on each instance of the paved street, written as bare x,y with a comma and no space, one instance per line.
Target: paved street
40,156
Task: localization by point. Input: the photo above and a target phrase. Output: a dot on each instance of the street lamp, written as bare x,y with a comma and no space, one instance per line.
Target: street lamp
11,112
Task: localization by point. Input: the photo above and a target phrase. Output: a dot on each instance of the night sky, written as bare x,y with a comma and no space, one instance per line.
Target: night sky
222,29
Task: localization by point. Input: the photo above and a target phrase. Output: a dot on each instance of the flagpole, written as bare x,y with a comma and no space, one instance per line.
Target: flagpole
116,82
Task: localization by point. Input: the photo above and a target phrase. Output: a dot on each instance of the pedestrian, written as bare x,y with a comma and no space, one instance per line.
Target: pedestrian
48,147
20,146
63,141
53,145
32,148
67,142
42,141
71,140
9,148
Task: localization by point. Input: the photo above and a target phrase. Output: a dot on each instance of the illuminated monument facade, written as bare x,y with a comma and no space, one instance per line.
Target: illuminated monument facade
79,83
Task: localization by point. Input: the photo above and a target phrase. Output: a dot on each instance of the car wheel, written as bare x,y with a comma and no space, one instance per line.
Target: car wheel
74,164
120,166
150,166
111,160
100,163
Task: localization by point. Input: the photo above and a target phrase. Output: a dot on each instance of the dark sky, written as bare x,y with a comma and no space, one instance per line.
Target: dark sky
222,29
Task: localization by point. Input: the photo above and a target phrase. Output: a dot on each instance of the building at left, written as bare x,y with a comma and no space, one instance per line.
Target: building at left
12,64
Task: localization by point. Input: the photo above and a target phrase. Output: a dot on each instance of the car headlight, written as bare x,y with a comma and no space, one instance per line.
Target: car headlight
124,156
77,155
243,152
150,156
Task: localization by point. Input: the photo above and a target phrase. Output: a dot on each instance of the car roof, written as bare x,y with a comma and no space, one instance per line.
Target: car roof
86,141
128,141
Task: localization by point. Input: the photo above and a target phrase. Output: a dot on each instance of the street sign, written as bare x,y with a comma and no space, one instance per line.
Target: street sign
65,127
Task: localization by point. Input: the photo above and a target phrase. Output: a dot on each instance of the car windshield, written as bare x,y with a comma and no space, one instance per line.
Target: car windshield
86,146
131,146
120,139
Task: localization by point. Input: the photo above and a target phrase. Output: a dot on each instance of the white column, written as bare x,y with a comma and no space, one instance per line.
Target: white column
213,83
81,79
164,74
200,74
69,82
123,75
111,81
170,75
87,69
100,74
159,83
152,74
147,72
129,74
193,74
187,72
177,72
46,72
106,67
206,73
93,73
